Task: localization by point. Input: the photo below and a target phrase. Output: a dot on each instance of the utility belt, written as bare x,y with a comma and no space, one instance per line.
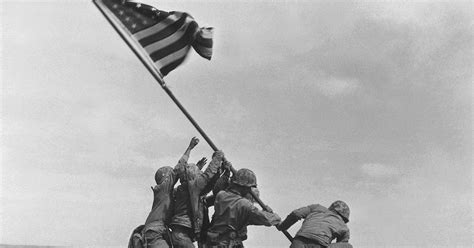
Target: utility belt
313,242
188,231
229,239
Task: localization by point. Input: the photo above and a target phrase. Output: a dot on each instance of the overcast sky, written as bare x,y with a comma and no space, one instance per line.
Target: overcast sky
367,102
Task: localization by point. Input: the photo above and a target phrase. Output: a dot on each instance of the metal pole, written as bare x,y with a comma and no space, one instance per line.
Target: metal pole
157,75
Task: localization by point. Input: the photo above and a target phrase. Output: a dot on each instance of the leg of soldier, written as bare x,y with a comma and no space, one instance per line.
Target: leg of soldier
155,240
181,239
297,243
160,243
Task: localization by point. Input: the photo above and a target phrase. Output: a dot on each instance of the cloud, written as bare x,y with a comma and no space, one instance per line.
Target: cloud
332,86
167,161
325,82
378,170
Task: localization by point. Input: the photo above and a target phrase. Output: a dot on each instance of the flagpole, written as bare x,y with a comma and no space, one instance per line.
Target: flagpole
159,78
214,147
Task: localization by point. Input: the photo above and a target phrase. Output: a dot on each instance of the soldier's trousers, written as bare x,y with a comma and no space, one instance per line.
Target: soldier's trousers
181,237
301,242
154,236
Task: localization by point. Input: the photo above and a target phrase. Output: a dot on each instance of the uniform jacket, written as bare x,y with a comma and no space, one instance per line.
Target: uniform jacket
320,224
196,190
161,211
232,212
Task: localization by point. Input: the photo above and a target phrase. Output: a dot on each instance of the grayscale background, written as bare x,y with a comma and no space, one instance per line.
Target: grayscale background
369,102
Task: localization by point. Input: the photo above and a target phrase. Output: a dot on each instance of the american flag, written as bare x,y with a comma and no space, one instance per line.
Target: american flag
164,37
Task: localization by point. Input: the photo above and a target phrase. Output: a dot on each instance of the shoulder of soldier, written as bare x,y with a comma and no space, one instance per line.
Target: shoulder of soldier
245,203
317,207
240,199
220,194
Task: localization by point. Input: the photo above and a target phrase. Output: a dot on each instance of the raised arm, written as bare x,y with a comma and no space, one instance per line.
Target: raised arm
194,141
201,163
179,168
212,169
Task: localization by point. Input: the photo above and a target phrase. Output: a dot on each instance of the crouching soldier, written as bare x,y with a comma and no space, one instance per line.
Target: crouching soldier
320,226
156,225
188,215
233,212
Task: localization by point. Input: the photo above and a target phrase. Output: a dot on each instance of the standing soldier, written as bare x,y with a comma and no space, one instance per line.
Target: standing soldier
154,232
189,206
234,212
320,226
156,225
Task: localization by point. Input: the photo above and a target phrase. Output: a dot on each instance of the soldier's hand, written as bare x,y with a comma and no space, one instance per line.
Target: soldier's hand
226,165
194,142
218,155
279,227
268,209
201,163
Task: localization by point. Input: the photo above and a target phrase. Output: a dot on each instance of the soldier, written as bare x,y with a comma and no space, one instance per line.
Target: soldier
233,213
320,226
156,225
189,206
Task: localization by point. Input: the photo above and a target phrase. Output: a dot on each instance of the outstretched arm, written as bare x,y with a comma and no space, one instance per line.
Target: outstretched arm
295,216
194,141
201,163
261,217
179,168
212,169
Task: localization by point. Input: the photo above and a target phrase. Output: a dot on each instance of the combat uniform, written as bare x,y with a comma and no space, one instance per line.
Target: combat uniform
320,226
185,230
156,224
233,213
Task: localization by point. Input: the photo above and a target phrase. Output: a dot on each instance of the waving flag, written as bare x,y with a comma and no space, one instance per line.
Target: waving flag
162,38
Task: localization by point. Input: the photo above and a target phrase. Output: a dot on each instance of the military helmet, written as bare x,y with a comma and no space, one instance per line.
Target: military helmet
342,209
245,177
162,173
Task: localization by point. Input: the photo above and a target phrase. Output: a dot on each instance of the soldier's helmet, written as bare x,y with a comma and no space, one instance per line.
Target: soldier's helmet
162,173
245,177
342,209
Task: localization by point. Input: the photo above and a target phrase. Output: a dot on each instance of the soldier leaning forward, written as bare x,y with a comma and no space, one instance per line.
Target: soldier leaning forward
188,215
234,212
320,226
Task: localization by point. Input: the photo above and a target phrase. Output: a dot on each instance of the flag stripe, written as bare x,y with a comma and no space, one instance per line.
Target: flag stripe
174,60
182,42
161,38
169,30
162,24
203,42
160,44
